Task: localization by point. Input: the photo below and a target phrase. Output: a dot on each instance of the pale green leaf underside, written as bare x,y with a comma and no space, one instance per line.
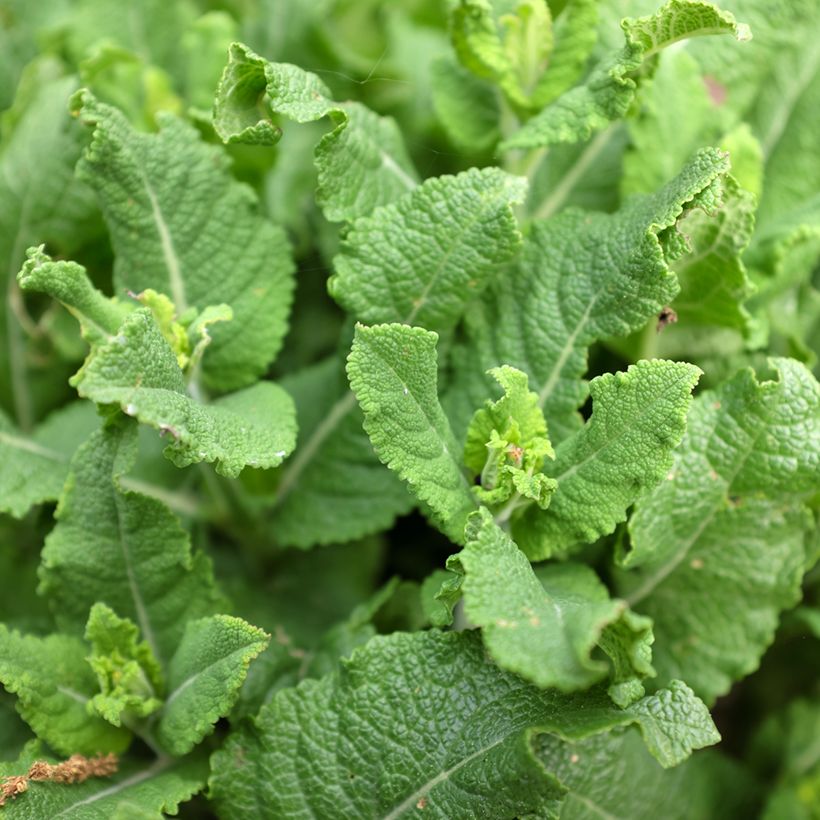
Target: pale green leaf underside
393,372
580,277
121,548
138,371
638,418
420,259
53,684
362,162
180,224
34,467
324,749
610,88
204,677
334,488
146,790
719,546
542,625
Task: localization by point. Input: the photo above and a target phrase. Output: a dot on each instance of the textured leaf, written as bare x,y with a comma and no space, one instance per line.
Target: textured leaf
421,259
638,418
204,677
129,675
41,201
139,372
512,52
137,790
54,685
610,89
133,365
181,225
334,488
673,110
543,625
393,372
580,277
35,467
362,162
325,748
507,443
123,549
713,278
613,775
720,544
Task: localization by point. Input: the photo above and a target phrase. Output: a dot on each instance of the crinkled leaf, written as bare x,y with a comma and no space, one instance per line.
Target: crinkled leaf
334,488
608,92
713,279
180,224
34,467
138,790
362,162
580,277
542,624
138,371
512,51
129,675
133,365
204,677
421,259
325,748
54,685
393,372
122,548
638,418
507,443
719,546
613,775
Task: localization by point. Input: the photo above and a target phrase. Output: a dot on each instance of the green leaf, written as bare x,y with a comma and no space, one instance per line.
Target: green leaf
613,775
542,624
713,279
181,225
638,418
134,367
41,200
513,49
393,372
466,106
421,259
138,371
54,686
66,281
718,548
580,277
610,88
575,33
334,488
362,162
35,466
138,789
325,746
507,443
129,675
204,677
123,549
674,110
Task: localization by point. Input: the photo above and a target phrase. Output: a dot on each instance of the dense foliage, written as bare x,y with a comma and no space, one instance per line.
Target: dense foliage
409,409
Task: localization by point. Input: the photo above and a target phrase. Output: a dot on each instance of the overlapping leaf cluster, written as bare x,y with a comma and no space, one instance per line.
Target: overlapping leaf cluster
428,428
